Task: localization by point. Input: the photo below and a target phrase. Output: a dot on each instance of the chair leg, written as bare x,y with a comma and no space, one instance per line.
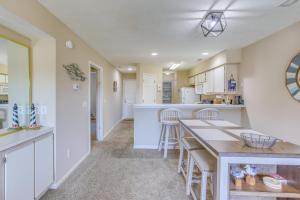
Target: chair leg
190,176
161,137
203,185
181,156
166,141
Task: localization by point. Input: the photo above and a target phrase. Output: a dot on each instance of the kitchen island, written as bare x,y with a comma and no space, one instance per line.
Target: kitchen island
147,126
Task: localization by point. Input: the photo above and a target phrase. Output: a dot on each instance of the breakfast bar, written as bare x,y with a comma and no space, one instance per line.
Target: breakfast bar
222,140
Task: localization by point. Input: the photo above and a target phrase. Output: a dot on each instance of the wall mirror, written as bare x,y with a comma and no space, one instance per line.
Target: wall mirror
14,81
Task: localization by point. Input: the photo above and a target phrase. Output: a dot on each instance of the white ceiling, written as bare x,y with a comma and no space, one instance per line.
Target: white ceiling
128,31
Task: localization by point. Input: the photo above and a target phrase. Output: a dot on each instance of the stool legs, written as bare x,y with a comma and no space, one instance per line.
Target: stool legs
181,156
190,176
166,141
162,133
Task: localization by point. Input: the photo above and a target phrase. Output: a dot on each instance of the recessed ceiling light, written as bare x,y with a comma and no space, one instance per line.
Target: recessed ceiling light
154,54
205,53
130,69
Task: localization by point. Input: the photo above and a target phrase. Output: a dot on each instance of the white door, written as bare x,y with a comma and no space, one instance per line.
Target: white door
19,173
149,89
44,169
129,96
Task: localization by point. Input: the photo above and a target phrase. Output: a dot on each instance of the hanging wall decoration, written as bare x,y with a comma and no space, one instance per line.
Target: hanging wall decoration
293,78
74,72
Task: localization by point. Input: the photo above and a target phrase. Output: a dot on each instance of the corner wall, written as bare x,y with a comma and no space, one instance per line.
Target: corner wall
269,106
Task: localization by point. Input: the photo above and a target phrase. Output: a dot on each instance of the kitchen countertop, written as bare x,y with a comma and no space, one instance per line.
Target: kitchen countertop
17,138
189,106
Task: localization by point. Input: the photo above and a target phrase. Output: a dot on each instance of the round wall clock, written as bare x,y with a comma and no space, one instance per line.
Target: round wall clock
293,78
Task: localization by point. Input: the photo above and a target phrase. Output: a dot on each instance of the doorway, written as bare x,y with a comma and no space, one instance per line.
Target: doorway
96,102
129,96
149,89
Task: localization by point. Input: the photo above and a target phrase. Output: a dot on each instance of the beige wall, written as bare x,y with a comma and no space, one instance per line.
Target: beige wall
270,107
10,34
149,69
182,80
225,57
126,76
72,116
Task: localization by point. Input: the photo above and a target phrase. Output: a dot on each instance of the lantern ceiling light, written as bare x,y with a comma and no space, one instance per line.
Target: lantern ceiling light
213,24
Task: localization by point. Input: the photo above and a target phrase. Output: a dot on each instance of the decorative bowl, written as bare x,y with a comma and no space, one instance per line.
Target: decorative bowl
258,141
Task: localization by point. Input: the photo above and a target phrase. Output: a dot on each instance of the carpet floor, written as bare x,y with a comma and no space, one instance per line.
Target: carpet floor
116,171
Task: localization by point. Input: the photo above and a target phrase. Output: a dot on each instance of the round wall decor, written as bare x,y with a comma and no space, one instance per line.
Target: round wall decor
293,78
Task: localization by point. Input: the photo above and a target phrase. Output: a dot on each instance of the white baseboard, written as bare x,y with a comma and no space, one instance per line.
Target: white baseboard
145,146
110,130
56,184
151,147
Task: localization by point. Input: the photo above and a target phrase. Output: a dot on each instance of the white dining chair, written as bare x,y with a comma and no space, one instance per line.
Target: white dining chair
169,119
208,114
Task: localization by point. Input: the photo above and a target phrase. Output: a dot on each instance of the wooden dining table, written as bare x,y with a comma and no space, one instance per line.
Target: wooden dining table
222,140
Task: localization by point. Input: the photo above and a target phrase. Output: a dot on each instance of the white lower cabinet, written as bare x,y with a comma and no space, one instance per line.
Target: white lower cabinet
27,170
19,173
44,167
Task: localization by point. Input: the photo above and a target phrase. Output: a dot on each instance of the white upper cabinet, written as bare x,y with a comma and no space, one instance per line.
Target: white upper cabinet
208,86
192,80
216,81
200,78
219,80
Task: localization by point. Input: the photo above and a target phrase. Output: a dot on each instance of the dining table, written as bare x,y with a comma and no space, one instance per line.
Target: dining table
222,140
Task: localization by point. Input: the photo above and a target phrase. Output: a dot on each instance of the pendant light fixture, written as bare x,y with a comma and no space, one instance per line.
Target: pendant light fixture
213,24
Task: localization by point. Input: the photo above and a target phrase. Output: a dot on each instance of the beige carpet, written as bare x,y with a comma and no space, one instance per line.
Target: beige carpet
115,171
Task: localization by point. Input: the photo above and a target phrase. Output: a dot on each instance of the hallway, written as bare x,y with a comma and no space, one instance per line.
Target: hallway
115,171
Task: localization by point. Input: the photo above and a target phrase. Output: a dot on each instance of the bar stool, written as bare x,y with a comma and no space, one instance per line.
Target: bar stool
169,120
187,144
208,114
190,144
206,165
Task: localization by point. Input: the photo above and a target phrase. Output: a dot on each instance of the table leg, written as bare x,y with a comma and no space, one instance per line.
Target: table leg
223,175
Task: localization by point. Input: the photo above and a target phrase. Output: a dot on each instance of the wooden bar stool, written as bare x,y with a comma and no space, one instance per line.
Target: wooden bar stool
187,144
208,114
169,132
206,164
